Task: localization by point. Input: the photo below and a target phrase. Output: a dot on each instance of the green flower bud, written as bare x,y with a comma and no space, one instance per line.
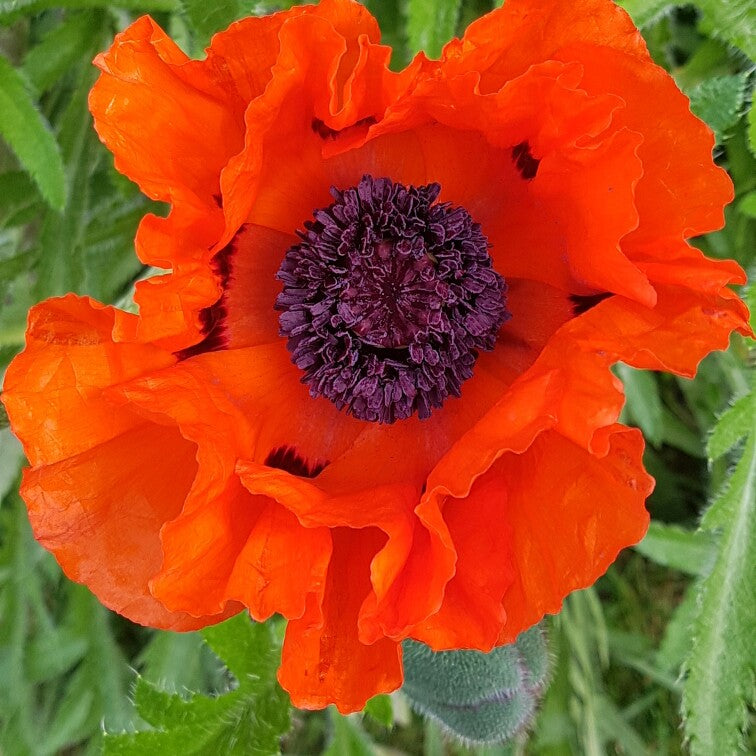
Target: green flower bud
477,698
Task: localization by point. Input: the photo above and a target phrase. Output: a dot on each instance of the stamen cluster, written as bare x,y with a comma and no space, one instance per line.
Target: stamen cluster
388,300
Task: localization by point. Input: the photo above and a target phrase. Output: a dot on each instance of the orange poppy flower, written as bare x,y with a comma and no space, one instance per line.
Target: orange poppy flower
372,393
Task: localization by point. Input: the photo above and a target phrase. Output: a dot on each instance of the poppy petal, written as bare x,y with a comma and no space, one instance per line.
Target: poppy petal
100,513
407,574
681,192
570,512
175,145
472,614
323,659
69,359
244,548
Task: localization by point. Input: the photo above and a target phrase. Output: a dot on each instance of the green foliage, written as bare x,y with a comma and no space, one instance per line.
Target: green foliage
431,24
348,736
733,21
381,710
248,719
207,18
645,12
475,697
678,548
719,102
29,135
62,48
11,10
719,683
644,404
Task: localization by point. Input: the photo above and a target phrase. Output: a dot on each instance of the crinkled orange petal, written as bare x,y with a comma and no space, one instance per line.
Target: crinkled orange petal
503,44
171,127
471,615
100,513
650,338
547,226
681,192
407,574
323,659
570,513
240,547
53,390
346,84
96,496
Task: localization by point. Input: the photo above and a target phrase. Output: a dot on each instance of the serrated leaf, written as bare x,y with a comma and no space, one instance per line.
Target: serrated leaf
733,426
250,719
675,644
673,546
245,647
180,662
29,136
718,101
60,267
719,682
752,124
431,24
732,21
165,710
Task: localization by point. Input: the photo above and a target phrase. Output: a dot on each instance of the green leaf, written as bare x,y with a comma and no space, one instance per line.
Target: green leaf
719,102
673,546
60,248
380,709
181,661
248,719
207,18
719,682
645,11
732,21
615,726
29,135
65,45
19,195
733,426
431,24
752,124
675,644
10,10
54,653
11,455
643,403
747,205
348,737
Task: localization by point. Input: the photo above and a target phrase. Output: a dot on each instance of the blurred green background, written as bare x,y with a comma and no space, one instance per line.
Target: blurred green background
658,653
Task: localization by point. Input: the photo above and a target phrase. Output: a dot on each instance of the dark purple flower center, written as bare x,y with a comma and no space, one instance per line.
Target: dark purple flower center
388,300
